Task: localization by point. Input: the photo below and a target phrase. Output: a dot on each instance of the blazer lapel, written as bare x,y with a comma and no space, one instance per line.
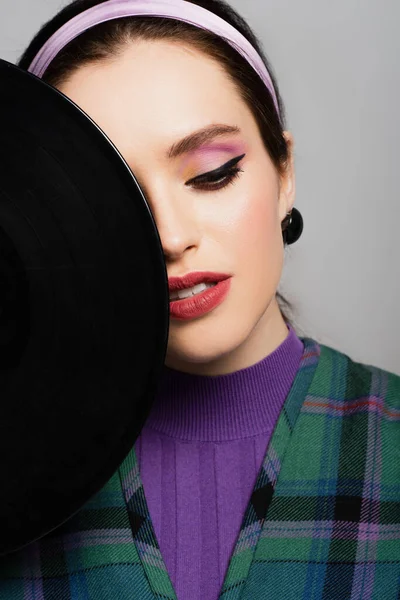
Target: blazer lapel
252,525
142,529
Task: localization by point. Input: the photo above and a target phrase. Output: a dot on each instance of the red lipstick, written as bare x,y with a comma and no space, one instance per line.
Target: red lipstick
202,303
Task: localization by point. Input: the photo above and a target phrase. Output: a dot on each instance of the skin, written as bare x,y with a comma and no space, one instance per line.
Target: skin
235,230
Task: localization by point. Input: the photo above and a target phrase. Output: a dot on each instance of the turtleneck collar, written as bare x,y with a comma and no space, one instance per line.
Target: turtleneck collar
226,407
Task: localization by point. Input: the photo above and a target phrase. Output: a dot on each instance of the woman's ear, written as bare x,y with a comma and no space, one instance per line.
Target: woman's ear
287,189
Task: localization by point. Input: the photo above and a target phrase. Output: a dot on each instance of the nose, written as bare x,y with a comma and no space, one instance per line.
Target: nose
177,225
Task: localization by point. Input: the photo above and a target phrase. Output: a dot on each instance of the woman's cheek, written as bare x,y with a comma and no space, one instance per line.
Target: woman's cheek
255,225
258,245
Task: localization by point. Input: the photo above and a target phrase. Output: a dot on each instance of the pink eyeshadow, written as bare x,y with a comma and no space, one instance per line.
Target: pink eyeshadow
199,161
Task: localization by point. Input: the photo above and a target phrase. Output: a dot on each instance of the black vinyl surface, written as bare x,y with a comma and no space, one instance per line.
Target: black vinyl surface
84,308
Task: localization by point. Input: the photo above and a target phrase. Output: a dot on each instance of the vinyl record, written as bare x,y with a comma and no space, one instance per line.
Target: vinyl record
84,308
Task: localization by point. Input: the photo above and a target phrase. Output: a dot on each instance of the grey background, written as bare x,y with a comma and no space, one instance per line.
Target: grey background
337,68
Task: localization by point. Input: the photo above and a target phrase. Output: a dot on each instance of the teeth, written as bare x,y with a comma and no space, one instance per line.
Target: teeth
197,289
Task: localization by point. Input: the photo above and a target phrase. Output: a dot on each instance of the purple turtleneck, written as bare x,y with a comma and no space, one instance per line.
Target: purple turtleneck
199,455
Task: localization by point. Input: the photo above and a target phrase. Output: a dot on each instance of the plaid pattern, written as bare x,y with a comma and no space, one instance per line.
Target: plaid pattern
323,522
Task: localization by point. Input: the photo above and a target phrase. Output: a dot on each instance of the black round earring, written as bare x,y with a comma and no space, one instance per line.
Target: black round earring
292,226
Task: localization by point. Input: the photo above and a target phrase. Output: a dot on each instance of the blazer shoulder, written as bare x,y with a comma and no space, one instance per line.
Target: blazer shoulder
362,379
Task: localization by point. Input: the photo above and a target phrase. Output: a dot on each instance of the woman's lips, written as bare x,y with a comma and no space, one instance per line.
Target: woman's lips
194,278
200,304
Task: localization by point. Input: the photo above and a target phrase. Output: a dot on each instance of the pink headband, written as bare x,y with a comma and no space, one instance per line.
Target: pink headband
173,9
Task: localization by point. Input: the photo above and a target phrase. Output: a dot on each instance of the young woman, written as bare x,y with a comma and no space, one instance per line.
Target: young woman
269,466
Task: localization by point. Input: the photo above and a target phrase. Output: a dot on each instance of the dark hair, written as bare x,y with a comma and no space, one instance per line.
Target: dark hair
106,39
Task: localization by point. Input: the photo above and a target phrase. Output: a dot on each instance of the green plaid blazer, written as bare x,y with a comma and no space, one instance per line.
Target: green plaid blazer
323,522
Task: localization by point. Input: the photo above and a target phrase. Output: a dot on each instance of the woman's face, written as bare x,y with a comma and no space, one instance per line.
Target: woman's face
146,100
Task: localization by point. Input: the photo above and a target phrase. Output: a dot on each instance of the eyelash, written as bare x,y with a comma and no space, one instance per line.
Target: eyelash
228,173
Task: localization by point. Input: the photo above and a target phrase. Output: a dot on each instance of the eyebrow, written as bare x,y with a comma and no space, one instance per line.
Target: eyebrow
198,138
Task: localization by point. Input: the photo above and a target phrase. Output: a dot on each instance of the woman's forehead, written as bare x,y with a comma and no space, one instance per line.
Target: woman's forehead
158,91
156,72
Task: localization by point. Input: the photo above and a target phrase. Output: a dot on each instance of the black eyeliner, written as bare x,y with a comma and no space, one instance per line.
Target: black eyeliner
220,171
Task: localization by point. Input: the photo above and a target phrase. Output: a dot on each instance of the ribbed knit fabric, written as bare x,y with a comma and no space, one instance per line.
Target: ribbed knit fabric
199,455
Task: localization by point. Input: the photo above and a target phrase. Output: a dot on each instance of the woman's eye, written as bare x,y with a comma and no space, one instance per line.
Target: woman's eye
219,178
216,182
